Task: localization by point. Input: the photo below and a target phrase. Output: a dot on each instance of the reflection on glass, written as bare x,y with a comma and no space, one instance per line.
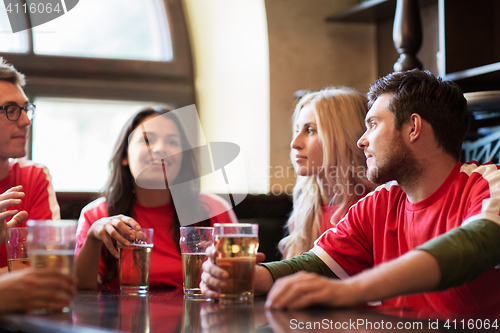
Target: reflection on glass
116,29
84,132
191,318
231,319
9,41
134,314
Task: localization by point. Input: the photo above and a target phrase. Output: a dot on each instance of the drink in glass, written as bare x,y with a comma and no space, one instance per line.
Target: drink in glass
193,243
17,248
51,245
135,263
236,248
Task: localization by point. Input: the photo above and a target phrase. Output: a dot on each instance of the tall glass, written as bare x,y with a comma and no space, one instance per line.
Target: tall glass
51,244
135,263
193,243
17,248
236,248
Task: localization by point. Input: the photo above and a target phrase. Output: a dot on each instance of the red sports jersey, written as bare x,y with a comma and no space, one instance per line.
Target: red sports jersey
385,225
166,264
40,199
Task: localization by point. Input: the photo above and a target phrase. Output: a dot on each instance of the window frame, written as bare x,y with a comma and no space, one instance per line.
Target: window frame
163,82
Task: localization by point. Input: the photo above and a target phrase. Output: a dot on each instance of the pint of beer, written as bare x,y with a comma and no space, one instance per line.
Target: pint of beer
17,248
51,245
236,248
135,263
193,243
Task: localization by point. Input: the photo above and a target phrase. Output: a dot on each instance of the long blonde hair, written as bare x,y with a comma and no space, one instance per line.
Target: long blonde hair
340,113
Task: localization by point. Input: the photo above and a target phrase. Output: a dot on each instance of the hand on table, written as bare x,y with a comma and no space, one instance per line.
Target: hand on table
35,289
11,197
305,289
120,227
213,277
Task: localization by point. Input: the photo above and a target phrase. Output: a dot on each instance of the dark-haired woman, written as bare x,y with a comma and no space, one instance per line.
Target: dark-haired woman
152,146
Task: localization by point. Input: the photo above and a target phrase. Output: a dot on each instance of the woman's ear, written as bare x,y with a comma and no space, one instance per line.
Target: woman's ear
125,161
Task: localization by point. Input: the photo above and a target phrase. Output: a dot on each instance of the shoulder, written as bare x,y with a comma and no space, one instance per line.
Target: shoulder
214,200
484,170
219,207
29,168
97,207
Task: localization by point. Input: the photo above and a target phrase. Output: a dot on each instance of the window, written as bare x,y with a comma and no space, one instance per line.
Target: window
10,42
140,31
75,139
88,70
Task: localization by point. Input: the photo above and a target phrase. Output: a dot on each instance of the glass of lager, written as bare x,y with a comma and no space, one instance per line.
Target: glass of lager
193,243
51,245
17,248
135,263
236,248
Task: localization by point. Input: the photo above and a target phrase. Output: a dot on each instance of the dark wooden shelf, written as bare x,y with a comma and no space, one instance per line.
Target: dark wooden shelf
476,79
366,12
372,11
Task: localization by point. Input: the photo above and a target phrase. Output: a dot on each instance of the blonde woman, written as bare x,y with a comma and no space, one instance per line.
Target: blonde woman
329,165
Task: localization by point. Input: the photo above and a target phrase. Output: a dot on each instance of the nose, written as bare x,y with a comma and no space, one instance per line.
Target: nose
362,142
297,142
23,120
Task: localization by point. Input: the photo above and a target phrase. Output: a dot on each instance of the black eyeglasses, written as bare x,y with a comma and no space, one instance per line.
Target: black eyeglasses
13,112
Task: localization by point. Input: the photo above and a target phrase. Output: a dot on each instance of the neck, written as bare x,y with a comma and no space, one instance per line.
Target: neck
433,174
4,168
152,198
326,189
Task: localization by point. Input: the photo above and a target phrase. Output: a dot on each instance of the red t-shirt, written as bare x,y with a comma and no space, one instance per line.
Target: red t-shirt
40,199
385,225
166,264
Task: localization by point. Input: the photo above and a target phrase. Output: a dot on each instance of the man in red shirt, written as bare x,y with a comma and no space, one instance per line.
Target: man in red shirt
415,128
26,191
25,184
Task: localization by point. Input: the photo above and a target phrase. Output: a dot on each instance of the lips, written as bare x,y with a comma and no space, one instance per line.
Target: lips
22,137
299,158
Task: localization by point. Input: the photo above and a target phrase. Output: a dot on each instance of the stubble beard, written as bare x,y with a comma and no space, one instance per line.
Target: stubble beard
400,164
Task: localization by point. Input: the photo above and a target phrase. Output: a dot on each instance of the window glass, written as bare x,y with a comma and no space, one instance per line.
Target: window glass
75,138
95,28
9,41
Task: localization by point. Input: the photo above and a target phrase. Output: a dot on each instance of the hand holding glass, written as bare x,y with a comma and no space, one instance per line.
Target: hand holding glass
135,263
193,243
236,248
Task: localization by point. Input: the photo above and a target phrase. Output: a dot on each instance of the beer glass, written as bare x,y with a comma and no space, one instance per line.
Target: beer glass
193,243
135,263
51,244
17,248
235,251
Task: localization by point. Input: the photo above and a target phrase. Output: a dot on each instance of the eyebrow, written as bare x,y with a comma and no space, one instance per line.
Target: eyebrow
307,124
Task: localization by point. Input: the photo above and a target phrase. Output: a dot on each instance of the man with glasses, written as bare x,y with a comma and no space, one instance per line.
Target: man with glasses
26,187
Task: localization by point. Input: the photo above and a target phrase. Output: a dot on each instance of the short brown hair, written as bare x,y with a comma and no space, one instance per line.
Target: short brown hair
10,74
441,103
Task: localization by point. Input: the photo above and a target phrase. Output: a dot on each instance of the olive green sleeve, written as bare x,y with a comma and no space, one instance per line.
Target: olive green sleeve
307,261
466,252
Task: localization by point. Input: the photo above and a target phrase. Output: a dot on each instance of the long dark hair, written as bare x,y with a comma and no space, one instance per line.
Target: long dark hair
119,190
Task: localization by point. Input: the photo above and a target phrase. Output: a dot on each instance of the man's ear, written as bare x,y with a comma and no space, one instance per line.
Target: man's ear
415,127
